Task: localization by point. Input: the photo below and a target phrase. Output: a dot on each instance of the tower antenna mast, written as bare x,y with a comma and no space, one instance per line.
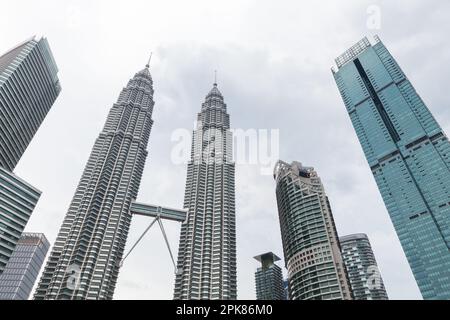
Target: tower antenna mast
149,59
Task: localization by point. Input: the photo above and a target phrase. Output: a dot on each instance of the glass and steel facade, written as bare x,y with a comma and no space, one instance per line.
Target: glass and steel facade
17,202
29,86
84,262
362,268
269,278
408,154
286,289
21,272
207,250
311,247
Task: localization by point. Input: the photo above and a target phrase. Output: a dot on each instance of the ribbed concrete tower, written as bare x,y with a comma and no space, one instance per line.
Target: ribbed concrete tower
207,250
84,262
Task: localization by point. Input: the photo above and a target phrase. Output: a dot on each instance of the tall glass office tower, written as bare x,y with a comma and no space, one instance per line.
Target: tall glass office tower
84,262
17,202
269,278
22,270
207,250
362,268
29,86
311,247
408,154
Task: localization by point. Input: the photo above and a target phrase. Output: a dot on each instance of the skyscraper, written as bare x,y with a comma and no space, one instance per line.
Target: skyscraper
362,269
84,262
29,86
269,278
286,289
311,247
207,250
408,154
23,268
17,202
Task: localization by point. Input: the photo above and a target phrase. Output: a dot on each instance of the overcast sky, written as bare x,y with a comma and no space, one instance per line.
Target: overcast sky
273,60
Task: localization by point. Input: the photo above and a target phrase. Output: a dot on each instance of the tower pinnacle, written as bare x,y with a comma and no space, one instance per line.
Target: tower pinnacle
149,59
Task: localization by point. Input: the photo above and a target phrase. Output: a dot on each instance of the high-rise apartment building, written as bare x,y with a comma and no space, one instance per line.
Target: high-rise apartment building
29,86
269,278
22,270
311,247
207,250
362,268
408,154
84,262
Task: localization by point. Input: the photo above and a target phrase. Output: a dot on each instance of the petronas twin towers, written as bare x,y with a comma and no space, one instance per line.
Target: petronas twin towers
207,251
85,260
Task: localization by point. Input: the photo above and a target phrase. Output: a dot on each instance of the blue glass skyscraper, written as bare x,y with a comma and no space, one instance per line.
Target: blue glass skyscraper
409,155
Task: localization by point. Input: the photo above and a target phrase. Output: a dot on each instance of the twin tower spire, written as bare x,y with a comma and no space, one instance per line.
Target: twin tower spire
86,258
150,59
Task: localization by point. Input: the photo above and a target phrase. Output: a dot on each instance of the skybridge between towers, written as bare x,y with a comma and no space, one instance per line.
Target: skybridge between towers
159,214
165,213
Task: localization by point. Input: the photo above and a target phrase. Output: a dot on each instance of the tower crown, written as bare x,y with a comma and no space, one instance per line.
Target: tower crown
144,73
214,93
